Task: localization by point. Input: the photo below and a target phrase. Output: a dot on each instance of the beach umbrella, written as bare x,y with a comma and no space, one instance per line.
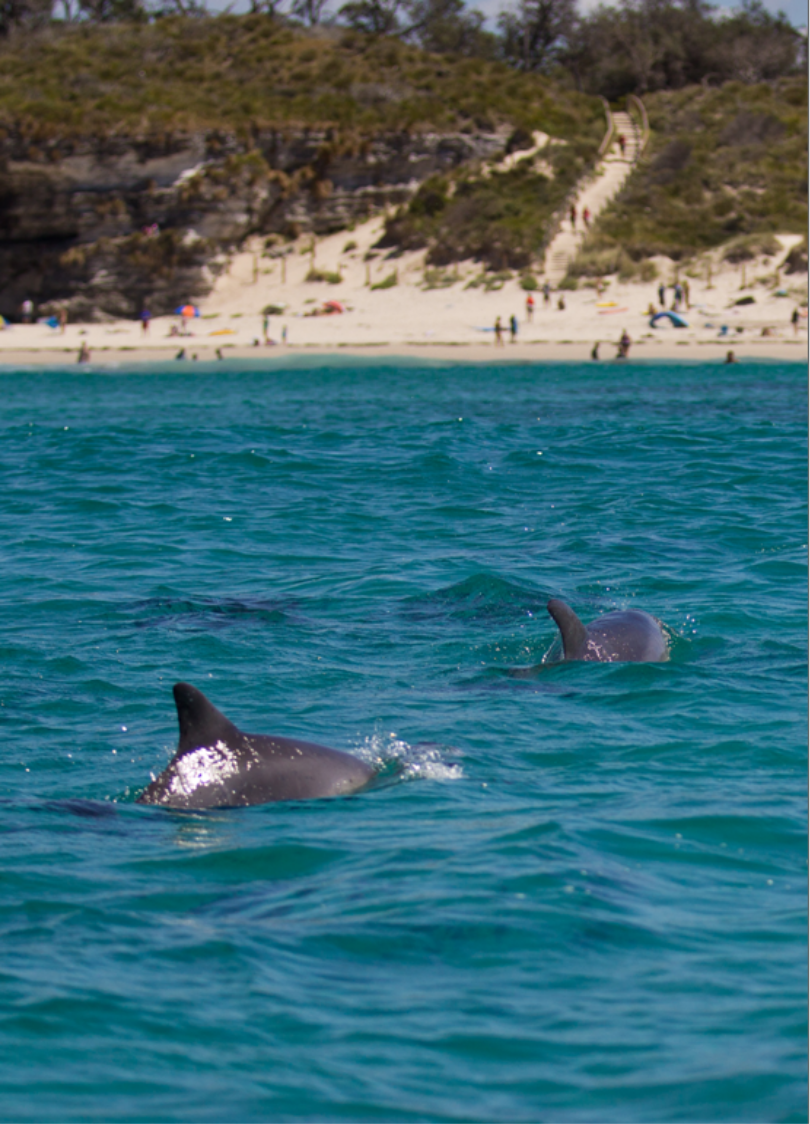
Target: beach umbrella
187,310
334,306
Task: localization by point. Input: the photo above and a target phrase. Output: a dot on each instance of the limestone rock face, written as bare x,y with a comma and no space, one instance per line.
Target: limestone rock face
105,226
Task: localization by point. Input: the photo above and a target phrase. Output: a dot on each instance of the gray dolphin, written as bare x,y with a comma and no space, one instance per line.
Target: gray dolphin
626,634
219,766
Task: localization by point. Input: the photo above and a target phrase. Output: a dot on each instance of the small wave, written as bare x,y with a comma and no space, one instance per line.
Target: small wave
482,597
203,614
396,760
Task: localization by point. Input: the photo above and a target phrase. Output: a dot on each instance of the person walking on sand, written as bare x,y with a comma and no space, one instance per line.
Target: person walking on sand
498,332
794,319
513,328
662,295
595,350
84,353
622,142
546,293
573,215
266,328
624,346
529,307
586,217
686,293
146,316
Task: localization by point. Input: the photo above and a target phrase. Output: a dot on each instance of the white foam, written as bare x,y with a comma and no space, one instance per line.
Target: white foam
414,761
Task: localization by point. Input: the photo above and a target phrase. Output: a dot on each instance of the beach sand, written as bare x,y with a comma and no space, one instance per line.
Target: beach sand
453,321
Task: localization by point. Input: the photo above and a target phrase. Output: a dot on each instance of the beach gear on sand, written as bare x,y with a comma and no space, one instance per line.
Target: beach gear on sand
676,320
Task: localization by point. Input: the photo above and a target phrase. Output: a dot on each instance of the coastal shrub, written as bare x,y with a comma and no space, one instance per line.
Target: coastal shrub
529,282
324,275
439,279
176,75
796,260
751,246
388,282
501,220
717,168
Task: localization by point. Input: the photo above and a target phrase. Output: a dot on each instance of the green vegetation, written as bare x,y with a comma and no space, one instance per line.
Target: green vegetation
324,275
243,74
388,282
501,219
722,164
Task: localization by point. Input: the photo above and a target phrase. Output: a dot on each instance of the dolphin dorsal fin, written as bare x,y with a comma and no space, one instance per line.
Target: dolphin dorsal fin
200,721
572,630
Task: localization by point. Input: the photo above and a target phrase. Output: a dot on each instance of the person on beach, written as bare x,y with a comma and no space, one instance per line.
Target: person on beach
686,293
561,303
498,332
529,307
513,328
219,353
27,309
595,350
63,319
730,357
678,297
266,328
546,293
84,353
662,295
794,319
586,218
624,346
284,335
573,215
622,142
181,354
146,316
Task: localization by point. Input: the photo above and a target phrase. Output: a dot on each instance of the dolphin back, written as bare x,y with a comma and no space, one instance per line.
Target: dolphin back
199,720
625,635
217,765
572,631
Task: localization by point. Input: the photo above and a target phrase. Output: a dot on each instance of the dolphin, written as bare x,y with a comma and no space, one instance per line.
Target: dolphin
219,766
625,634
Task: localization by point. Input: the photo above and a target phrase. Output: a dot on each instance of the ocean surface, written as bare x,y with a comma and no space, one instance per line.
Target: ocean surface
575,896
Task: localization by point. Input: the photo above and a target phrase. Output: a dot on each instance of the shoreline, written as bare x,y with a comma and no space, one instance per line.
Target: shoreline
535,351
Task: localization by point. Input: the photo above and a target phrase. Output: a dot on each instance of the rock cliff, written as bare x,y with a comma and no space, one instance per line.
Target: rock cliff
108,226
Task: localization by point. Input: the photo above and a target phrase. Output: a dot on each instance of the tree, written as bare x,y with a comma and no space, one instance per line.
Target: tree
535,32
376,17
309,11
108,11
23,14
447,27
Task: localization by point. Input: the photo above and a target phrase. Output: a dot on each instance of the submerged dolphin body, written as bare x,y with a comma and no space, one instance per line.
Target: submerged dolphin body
219,766
624,635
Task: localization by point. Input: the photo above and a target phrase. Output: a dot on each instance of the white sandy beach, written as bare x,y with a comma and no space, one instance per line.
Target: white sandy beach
453,321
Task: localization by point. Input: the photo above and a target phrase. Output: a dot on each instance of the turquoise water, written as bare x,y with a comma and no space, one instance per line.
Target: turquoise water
574,897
